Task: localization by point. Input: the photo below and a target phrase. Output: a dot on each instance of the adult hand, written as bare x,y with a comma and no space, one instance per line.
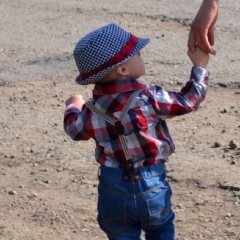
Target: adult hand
202,28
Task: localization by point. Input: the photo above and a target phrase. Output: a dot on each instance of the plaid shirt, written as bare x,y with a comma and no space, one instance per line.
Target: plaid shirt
145,128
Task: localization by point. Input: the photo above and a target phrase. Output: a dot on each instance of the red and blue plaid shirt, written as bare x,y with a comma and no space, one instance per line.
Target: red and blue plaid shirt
145,128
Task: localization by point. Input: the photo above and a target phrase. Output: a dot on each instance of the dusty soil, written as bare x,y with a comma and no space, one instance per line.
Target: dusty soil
48,183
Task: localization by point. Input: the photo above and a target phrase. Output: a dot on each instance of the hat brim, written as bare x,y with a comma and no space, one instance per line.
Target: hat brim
142,42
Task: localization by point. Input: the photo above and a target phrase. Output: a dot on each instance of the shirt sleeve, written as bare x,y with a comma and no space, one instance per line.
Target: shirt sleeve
168,104
75,122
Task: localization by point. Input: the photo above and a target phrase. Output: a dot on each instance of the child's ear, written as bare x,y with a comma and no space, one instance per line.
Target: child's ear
122,70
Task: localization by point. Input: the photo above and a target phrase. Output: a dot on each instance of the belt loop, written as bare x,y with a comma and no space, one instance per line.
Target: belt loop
165,170
129,168
99,172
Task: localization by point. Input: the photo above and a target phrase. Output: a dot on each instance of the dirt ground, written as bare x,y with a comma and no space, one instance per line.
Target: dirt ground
48,183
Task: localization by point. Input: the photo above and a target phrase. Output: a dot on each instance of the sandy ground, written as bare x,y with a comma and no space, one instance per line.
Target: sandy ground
48,183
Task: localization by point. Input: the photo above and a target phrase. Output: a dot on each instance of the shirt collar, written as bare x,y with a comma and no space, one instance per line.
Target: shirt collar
118,86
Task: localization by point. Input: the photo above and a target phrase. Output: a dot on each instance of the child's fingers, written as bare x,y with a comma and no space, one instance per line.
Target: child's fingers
189,53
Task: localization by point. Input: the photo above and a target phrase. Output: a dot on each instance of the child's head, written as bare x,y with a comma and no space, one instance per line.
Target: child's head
107,49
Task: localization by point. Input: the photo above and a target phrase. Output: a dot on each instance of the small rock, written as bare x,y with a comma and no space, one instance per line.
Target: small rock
228,215
233,144
233,162
12,192
201,184
217,144
199,202
225,110
35,194
230,185
235,199
181,238
223,85
178,206
236,193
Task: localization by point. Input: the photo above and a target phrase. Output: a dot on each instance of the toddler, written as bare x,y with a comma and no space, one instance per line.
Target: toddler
127,120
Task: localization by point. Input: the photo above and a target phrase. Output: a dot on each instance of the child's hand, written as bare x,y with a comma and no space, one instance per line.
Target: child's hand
77,99
199,58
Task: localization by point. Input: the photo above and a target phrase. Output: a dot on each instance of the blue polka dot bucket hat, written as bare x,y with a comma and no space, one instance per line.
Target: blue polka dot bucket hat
103,50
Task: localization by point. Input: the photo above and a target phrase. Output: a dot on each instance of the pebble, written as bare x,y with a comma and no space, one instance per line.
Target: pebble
236,193
181,238
199,202
233,144
217,144
35,194
235,199
228,215
178,206
202,185
223,85
233,162
230,185
225,110
12,192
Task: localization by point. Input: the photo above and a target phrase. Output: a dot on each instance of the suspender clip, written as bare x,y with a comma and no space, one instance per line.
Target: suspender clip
119,127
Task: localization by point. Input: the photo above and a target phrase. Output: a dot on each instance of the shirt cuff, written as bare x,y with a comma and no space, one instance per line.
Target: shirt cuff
200,73
72,105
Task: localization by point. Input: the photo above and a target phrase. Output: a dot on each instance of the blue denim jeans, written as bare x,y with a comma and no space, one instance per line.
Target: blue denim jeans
125,207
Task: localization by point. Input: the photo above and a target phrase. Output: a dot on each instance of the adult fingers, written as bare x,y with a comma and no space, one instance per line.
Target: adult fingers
205,43
211,36
191,41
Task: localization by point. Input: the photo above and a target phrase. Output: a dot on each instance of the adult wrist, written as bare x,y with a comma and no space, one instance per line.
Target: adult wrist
213,1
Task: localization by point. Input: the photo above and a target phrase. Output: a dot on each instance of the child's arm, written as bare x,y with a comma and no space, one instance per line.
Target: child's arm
75,118
199,58
168,104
